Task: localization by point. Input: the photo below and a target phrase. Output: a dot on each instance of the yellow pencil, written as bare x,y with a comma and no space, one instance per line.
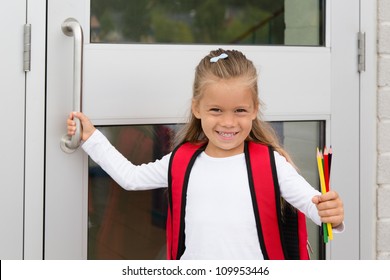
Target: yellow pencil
321,172
330,232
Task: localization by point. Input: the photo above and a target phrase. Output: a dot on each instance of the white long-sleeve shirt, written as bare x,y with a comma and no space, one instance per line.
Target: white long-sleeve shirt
220,222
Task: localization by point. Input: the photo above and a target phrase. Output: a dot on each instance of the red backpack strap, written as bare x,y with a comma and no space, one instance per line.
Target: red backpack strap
303,237
181,162
281,236
265,198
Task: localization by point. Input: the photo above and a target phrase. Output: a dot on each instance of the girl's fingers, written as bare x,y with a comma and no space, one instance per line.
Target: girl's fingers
71,124
330,204
333,220
329,212
330,208
87,127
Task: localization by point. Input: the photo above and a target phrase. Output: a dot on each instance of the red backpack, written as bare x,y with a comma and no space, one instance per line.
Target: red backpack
289,227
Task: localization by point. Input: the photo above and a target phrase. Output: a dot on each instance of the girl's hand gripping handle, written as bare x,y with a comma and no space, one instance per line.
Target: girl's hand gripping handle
86,127
71,141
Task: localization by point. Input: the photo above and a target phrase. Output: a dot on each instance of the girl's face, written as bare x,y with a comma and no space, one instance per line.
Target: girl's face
226,110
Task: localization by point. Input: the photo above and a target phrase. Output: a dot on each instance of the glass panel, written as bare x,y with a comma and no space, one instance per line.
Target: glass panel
131,224
123,224
244,22
301,140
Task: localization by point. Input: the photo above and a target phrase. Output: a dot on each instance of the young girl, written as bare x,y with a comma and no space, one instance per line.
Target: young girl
218,214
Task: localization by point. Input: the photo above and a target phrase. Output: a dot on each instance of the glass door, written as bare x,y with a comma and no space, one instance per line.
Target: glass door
131,225
139,60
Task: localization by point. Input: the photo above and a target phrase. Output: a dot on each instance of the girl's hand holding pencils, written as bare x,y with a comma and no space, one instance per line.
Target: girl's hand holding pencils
330,208
329,205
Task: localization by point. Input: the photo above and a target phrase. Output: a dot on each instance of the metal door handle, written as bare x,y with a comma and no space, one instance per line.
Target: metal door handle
71,27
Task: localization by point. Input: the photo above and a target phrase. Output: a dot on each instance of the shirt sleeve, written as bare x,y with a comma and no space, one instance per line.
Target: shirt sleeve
129,176
295,189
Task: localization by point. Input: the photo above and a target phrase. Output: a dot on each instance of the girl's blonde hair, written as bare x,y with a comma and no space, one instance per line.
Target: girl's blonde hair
236,65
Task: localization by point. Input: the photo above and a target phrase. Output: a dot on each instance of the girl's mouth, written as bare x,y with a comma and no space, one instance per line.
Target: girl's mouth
227,134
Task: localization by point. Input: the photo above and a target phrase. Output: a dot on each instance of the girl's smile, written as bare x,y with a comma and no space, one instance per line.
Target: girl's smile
227,135
226,110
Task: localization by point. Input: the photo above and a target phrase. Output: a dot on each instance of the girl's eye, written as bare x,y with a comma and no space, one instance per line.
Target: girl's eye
215,110
240,110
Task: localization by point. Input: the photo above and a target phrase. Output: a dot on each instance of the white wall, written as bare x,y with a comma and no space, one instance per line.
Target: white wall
383,167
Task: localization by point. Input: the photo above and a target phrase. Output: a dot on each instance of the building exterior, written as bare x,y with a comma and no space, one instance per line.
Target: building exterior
330,65
383,192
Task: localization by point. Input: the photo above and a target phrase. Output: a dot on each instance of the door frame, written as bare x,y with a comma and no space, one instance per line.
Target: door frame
35,134
12,140
368,126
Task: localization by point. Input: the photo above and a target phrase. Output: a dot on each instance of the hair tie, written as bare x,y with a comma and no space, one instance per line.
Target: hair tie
216,58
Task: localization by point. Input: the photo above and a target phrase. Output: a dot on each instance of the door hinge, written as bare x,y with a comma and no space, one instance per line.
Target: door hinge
361,52
27,48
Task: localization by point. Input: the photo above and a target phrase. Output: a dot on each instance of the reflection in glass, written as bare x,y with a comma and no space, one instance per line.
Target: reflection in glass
131,224
246,22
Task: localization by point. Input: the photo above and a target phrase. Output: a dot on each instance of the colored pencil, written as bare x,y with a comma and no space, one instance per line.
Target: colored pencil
326,169
321,172
330,158
330,152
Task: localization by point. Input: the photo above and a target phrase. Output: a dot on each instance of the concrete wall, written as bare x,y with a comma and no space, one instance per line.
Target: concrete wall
383,128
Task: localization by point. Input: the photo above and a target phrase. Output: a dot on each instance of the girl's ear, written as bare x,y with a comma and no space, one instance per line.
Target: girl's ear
195,109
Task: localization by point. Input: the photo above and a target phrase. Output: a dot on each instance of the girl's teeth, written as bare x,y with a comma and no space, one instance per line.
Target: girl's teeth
226,134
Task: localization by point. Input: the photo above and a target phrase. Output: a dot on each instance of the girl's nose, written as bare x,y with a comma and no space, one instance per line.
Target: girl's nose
228,120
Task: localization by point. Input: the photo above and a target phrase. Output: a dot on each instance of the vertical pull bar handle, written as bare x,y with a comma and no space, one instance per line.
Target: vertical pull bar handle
71,27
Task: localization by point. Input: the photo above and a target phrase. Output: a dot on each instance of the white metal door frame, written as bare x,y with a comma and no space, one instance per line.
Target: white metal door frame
368,139
12,141
35,133
345,122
